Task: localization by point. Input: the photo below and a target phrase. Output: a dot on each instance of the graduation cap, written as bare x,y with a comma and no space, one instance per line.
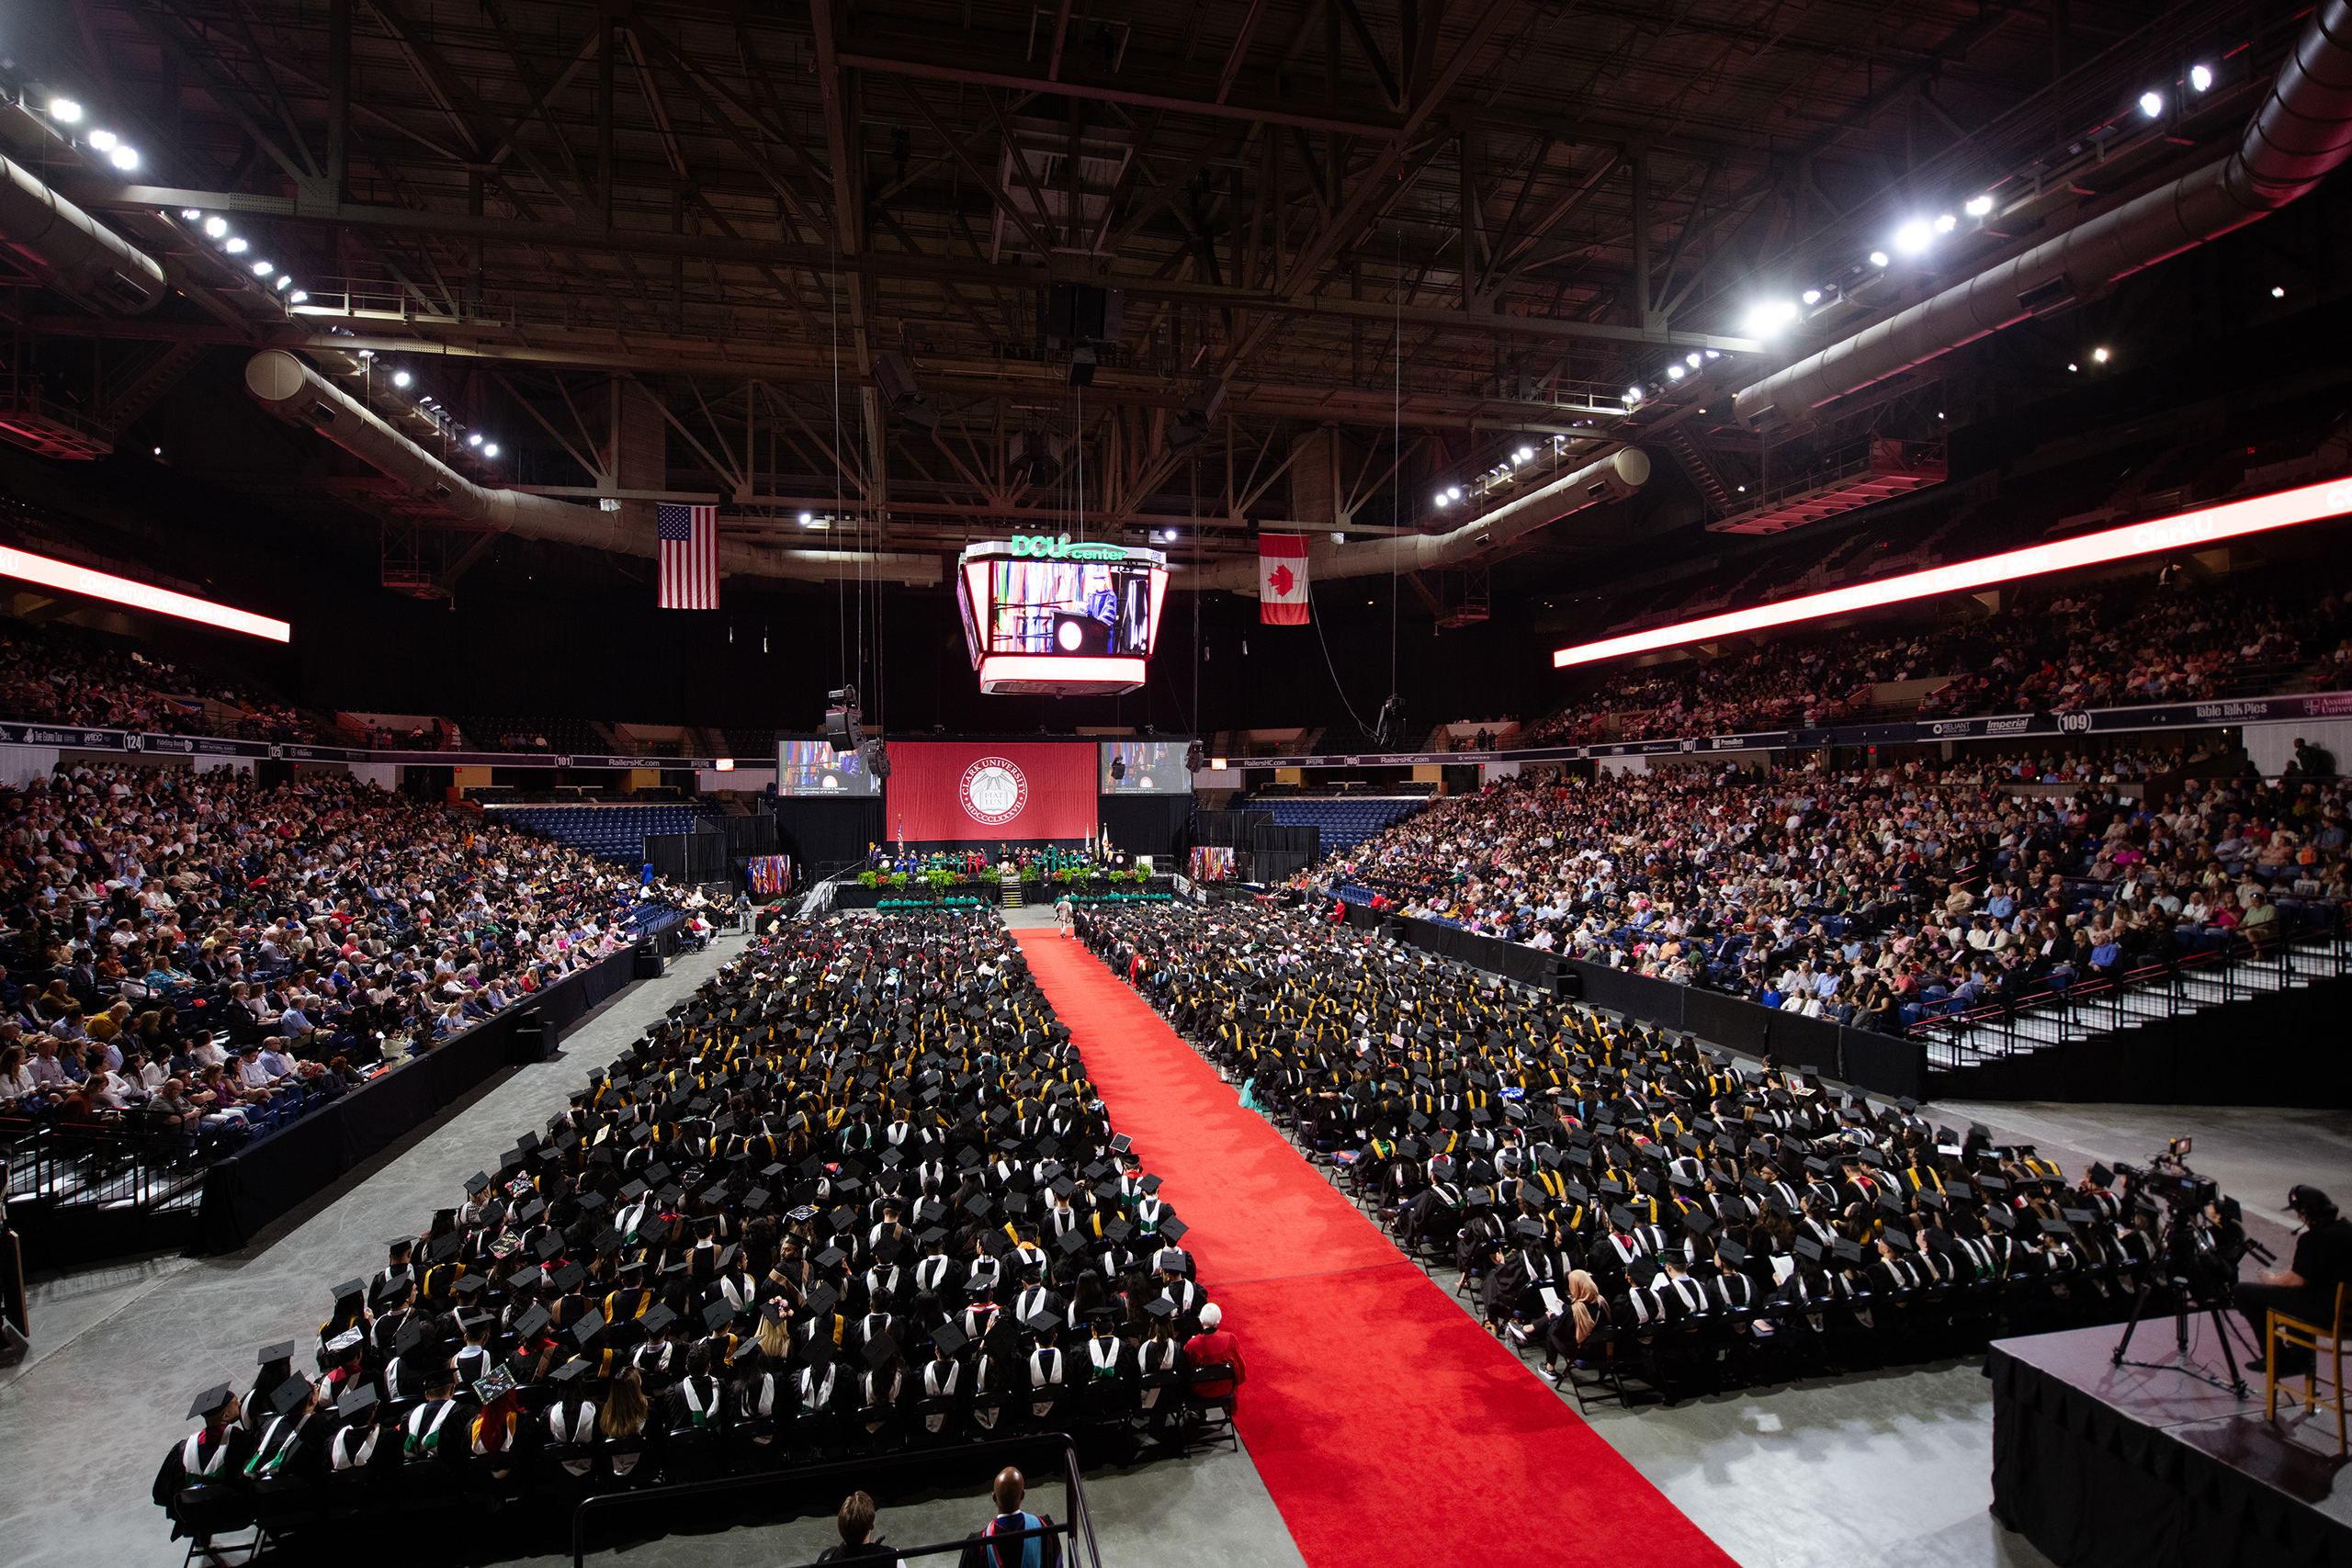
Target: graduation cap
658,1318
1848,1250
1162,1307
977,1205
1532,1229
568,1278
1808,1249
949,1338
569,1371
1117,1231
823,1299
1621,1217
586,1328
2100,1176
832,1257
410,1335
479,1181
1731,1252
289,1393
880,1350
1174,1228
531,1322
357,1403
2056,1227
1999,1218
1898,1240
1699,1221
351,1290
444,1249
716,1315
210,1400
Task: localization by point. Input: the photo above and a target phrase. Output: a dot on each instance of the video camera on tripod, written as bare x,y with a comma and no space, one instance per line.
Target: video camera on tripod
2167,1179
2200,1245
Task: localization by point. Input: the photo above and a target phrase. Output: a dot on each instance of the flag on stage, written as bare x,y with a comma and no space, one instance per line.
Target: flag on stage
689,557
1281,580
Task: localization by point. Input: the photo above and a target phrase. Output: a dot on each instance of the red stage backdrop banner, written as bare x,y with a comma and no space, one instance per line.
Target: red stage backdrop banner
990,792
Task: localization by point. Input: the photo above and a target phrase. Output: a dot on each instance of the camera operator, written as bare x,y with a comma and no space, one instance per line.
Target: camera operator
2307,1291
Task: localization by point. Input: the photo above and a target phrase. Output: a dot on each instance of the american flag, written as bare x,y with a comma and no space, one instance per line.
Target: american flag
689,557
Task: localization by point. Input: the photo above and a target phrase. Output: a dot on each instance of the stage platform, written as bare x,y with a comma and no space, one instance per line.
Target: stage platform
2155,1463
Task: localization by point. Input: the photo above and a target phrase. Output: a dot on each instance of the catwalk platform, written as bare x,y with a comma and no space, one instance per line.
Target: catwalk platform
2156,1463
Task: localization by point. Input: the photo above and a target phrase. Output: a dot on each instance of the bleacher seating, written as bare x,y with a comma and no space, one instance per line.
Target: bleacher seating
1346,820
609,833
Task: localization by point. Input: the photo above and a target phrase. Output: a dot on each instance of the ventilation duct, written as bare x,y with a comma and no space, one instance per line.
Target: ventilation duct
2302,130
292,390
72,252
1620,474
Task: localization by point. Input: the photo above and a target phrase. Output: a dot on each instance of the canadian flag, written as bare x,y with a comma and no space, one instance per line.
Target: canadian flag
1281,580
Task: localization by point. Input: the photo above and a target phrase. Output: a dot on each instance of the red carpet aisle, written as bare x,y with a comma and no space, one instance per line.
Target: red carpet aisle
1388,1425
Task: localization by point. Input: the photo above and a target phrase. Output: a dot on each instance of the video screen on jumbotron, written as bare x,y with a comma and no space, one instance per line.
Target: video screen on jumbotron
1070,607
1144,767
810,766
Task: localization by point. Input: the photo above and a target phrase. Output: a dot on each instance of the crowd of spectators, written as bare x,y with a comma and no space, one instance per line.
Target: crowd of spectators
1880,897
2152,640
63,675
191,946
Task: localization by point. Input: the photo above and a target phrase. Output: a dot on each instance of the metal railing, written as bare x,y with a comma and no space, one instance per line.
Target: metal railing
2054,1017
126,1166
1079,1527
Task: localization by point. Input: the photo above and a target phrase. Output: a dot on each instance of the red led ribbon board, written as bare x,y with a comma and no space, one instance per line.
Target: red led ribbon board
989,791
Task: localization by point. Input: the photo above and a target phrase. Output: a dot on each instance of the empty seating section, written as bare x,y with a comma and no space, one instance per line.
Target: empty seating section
1346,820
609,833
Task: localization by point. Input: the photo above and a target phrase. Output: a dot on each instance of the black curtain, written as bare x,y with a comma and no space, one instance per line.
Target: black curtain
817,832
1149,824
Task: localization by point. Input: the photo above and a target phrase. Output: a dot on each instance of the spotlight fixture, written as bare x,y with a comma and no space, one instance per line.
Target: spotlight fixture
491,450
1337,537
2071,366
64,109
1946,223
1812,296
1454,492
1878,258
104,140
216,227
2100,355
807,518
2201,77
1522,455
2277,292
474,440
285,281
236,246
2152,104
190,214
1978,206
1914,237
1441,501
1770,316
262,269
400,377
1674,373
123,158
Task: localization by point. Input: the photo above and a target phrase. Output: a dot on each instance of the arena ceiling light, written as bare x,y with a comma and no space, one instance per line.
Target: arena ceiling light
65,112
2201,77
2189,531
67,577
1914,237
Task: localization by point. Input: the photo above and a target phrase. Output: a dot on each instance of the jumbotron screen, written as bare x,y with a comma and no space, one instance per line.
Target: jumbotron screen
1047,617
1144,767
810,766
